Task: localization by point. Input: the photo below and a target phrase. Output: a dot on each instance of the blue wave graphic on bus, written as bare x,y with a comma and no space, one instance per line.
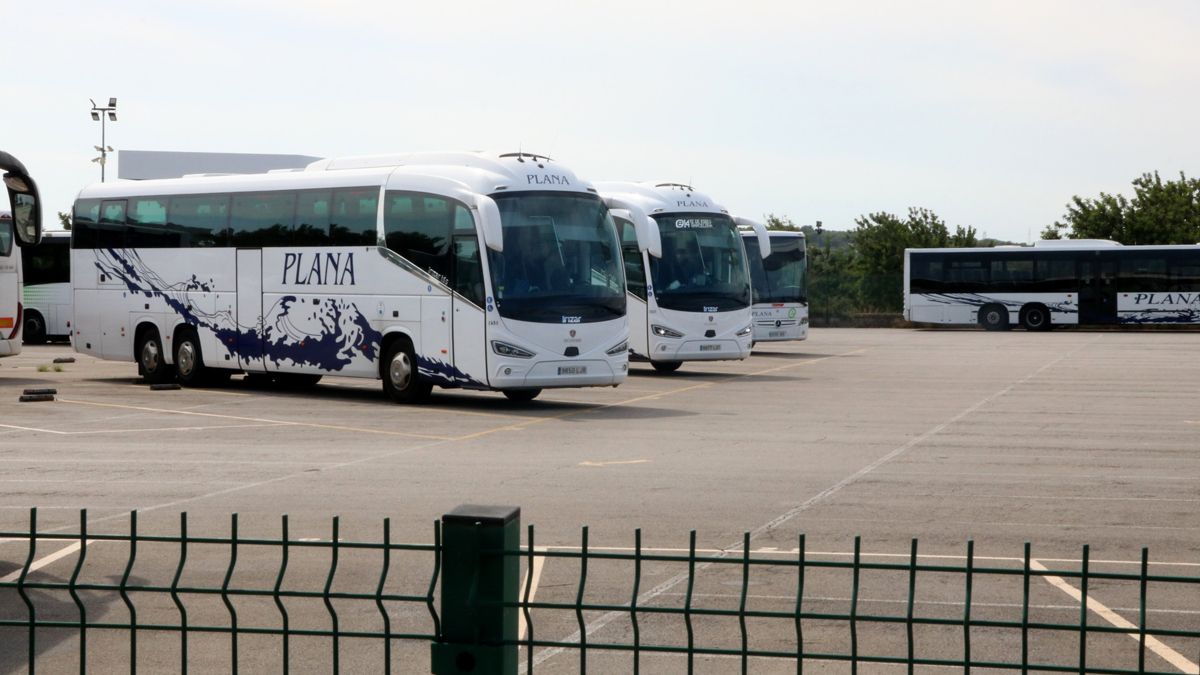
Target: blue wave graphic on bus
1151,316
344,334
445,374
976,300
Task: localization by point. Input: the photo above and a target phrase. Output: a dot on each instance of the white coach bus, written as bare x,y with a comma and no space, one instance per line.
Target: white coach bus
780,286
367,267
1087,282
46,269
19,228
693,304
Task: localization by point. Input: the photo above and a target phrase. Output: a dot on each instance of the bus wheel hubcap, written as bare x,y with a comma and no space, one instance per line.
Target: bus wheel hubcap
187,358
150,355
400,371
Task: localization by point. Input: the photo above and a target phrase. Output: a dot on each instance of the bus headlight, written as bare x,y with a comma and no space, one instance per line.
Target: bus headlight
505,349
619,349
663,331
745,331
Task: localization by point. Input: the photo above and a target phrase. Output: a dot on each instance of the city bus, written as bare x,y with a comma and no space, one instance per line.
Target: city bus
779,284
1053,282
20,227
47,288
463,270
688,282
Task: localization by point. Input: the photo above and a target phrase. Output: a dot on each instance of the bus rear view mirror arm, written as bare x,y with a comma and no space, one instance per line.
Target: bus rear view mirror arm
760,232
489,222
649,239
23,200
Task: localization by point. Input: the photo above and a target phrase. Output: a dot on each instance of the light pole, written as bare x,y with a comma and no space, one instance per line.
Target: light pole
98,115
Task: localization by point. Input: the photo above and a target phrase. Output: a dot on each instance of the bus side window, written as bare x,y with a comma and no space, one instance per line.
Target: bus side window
354,219
468,271
109,232
147,219
201,220
417,226
635,273
312,218
262,219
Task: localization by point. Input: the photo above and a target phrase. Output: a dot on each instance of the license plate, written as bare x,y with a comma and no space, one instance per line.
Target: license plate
572,370
777,333
710,348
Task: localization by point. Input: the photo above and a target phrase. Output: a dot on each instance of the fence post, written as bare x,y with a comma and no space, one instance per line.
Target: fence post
476,579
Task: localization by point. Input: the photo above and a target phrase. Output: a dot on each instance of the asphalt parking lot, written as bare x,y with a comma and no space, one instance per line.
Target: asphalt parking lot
1060,439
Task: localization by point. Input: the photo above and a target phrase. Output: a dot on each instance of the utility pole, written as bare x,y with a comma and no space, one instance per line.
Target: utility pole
103,114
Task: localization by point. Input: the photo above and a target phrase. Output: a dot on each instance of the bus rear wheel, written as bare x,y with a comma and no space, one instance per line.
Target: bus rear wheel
1036,317
151,358
522,395
993,317
401,380
35,328
666,366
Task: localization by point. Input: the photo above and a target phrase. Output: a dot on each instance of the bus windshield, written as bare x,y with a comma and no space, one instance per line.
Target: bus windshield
703,264
561,261
781,276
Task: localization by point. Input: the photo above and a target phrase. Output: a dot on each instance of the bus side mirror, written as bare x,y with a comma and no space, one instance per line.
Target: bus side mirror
760,232
649,239
489,222
26,208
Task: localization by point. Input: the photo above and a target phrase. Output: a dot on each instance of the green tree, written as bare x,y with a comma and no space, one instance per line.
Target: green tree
65,220
1160,212
775,222
879,241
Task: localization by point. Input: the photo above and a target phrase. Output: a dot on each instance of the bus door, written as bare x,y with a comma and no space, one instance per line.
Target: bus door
1098,289
250,309
470,308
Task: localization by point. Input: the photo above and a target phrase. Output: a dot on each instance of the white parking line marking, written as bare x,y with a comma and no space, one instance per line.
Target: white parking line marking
140,430
1169,655
538,563
615,462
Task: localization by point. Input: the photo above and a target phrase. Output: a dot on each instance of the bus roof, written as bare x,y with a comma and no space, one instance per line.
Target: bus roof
660,197
782,234
479,172
1077,245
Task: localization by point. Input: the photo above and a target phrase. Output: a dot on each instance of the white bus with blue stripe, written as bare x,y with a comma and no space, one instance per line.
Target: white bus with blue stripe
46,275
462,270
689,283
20,228
1067,282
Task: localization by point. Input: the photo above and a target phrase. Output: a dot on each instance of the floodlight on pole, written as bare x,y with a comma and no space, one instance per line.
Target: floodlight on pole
99,113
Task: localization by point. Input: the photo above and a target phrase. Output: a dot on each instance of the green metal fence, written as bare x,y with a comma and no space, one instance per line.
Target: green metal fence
481,615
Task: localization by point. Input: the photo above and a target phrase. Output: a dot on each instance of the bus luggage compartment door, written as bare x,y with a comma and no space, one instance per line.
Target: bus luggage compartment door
249,310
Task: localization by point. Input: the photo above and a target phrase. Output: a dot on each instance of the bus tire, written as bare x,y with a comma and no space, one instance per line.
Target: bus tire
666,366
521,395
1036,318
993,317
189,362
151,357
398,369
34,329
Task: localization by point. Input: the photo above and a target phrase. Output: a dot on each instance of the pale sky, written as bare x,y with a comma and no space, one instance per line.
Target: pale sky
990,114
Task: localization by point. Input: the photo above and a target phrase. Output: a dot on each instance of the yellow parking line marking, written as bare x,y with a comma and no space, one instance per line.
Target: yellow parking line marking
42,562
621,461
311,425
538,563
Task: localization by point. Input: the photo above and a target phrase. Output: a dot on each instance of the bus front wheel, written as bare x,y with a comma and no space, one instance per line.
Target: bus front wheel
666,366
401,381
151,359
35,328
993,317
1036,317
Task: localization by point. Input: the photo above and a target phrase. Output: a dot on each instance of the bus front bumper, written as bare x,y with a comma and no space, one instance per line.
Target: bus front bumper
564,373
